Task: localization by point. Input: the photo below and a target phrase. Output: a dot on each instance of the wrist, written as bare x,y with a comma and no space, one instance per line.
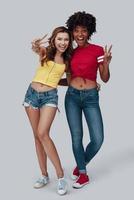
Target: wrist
105,64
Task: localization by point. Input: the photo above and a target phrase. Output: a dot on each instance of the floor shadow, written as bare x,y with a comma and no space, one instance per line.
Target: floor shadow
111,163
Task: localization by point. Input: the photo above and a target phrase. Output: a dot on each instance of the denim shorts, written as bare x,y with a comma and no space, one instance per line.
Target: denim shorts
37,99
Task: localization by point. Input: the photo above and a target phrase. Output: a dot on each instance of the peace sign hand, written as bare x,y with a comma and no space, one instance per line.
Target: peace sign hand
107,55
36,44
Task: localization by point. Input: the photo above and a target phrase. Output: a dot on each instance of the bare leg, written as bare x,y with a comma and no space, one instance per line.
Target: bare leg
34,116
47,115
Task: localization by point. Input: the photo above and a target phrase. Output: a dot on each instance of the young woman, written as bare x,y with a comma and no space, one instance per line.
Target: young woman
41,101
82,94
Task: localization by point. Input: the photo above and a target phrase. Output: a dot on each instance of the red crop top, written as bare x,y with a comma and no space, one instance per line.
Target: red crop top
85,61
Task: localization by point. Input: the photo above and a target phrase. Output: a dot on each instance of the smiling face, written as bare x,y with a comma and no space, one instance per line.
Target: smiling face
81,35
62,42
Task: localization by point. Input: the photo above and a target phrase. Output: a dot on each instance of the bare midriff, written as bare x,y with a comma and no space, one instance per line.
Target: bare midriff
80,83
40,87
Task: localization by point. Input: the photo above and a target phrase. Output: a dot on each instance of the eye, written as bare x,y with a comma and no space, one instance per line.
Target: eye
76,30
59,38
67,39
84,31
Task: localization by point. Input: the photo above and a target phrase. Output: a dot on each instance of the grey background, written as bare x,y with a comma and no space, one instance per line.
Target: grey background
111,171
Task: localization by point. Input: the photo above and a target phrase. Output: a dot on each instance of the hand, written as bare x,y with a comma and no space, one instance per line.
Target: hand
36,44
98,86
39,40
107,55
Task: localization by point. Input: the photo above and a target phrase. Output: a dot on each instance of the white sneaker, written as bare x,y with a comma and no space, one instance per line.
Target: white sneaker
62,186
41,182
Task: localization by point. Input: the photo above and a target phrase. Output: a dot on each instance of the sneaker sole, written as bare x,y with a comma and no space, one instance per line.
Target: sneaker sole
41,186
62,194
75,187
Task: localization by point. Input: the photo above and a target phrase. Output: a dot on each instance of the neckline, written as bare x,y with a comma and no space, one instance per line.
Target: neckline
56,62
83,47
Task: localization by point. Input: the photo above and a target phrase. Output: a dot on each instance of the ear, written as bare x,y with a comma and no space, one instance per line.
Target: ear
89,36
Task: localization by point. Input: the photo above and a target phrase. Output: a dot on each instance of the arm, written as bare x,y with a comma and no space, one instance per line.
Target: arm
38,49
104,67
65,81
104,72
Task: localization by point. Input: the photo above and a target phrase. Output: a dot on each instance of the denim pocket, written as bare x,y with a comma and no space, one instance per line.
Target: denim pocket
28,93
92,96
52,96
70,92
67,93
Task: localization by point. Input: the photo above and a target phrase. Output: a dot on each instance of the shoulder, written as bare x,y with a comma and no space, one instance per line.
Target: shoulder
97,48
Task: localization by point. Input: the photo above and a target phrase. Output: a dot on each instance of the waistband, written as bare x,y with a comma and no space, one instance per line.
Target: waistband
72,89
49,92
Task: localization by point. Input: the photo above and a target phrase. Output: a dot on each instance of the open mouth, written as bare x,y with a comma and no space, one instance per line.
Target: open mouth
62,48
80,39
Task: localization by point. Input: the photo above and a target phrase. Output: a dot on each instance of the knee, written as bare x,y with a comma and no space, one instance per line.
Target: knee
36,138
43,135
98,143
76,141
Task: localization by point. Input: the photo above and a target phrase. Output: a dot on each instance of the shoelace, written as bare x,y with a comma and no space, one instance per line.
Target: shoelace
81,177
42,180
61,185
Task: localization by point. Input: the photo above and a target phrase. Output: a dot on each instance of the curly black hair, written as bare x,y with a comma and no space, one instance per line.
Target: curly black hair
82,19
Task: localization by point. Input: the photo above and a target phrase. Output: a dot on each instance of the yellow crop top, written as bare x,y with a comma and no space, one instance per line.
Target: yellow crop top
49,74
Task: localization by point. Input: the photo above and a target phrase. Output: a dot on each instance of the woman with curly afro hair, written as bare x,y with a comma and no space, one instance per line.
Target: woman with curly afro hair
82,95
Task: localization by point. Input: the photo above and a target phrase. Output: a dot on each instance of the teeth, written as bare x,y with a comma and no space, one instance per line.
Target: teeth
62,48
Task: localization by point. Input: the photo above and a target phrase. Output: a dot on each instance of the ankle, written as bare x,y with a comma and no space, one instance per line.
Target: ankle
83,171
45,174
60,174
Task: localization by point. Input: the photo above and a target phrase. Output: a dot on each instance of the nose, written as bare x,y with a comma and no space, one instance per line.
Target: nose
79,33
62,42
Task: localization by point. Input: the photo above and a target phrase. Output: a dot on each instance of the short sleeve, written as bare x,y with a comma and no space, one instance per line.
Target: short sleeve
100,57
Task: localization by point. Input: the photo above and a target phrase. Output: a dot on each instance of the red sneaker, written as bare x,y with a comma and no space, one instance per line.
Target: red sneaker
75,174
81,181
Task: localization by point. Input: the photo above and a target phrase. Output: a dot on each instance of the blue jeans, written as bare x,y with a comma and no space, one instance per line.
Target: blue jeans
86,101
